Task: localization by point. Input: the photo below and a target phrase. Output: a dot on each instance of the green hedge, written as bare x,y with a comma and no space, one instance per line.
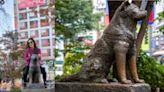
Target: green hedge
149,70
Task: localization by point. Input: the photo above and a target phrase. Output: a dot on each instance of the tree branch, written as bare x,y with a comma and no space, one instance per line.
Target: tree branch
143,27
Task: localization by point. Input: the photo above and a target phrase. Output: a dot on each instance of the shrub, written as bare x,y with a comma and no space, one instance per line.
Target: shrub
149,70
15,89
72,62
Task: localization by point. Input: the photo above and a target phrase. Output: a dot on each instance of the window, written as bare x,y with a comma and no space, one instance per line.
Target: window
53,41
22,16
45,32
37,42
33,14
53,32
44,22
23,25
43,12
46,52
34,33
23,35
45,42
34,24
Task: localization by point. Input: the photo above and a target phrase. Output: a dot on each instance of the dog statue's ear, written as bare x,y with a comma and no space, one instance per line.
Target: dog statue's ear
130,1
127,2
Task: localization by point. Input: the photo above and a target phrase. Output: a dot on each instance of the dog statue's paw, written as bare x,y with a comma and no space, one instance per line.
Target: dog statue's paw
139,81
126,81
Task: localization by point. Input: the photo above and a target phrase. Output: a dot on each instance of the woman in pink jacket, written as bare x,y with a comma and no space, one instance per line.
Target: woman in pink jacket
31,48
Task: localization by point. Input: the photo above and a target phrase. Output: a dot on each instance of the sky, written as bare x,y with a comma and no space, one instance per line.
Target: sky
7,20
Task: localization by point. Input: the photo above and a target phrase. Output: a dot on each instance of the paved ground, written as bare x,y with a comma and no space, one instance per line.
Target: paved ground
39,87
3,90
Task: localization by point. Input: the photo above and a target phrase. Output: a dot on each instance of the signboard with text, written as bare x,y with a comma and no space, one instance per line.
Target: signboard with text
30,3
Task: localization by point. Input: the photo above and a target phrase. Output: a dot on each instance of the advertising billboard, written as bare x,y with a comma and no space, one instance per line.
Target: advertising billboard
30,3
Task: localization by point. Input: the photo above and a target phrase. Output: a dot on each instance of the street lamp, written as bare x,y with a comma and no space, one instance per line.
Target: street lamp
2,2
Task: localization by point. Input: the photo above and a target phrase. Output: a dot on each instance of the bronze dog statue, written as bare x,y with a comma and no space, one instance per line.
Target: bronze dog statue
34,69
116,45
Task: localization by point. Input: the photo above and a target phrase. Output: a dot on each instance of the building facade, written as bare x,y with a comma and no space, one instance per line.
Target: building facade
33,19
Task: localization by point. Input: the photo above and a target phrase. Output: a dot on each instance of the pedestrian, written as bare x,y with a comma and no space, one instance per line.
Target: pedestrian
31,48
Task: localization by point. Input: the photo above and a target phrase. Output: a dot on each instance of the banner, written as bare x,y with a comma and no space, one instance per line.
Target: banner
30,3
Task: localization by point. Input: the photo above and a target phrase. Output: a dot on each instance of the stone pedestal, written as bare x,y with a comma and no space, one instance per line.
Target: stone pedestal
35,85
99,87
37,90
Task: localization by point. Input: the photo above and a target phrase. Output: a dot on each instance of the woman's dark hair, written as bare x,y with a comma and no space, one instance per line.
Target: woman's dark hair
35,46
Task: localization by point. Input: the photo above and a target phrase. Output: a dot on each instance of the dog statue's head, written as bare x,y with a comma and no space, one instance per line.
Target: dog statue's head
133,11
33,59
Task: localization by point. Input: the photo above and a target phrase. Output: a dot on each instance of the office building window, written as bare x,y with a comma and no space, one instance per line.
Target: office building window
22,16
44,22
23,25
44,32
43,12
53,32
23,35
33,14
34,33
37,42
45,42
46,52
34,24
53,41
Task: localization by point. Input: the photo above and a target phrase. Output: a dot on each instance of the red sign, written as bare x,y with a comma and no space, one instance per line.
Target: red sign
30,3
151,17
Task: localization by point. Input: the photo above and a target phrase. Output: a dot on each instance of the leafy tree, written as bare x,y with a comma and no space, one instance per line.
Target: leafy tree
10,41
73,16
12,67
160,18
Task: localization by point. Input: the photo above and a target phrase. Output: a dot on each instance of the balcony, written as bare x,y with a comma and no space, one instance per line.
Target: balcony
33,14
23,25
33,24
46,52
34,33
43,12
45,42
44,22
22,16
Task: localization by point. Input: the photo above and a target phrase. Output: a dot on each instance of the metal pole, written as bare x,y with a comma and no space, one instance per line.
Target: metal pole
143,4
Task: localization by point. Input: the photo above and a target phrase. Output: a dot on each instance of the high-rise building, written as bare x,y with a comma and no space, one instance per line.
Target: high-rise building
33,19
